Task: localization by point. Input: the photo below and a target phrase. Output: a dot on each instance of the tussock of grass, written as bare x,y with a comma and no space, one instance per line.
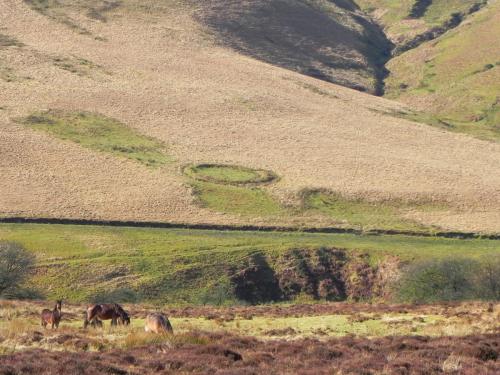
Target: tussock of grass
101,133
229,174
140,338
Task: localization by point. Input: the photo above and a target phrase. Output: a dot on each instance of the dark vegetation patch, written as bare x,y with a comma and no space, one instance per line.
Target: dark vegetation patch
314,273
419,8
320,274
228,354
328,40
256,282
229,174
486,68
9,41
76,65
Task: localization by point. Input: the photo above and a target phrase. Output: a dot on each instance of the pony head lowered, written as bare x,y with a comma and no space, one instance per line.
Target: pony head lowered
124,318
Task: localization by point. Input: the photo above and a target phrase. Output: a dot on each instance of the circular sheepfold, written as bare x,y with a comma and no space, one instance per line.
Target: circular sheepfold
229,174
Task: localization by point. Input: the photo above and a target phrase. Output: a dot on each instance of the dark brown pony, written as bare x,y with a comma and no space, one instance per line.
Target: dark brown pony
106,311
52,317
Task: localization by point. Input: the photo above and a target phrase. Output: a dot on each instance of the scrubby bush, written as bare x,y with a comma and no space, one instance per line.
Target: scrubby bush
487,280
15,263
450,280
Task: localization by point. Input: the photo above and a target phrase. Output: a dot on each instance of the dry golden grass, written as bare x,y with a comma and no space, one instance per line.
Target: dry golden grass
167,78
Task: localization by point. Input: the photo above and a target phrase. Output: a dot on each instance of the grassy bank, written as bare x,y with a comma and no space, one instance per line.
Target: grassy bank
101,133
82,263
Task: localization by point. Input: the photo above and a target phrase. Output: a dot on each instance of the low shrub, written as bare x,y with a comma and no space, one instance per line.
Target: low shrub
15,263
451,279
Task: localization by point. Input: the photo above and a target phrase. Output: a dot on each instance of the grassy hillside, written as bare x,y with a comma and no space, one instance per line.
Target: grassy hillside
192,266
403,20
457,87
176,83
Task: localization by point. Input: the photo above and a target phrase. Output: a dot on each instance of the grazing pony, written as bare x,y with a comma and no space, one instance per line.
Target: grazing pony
52,317
106,311
157,323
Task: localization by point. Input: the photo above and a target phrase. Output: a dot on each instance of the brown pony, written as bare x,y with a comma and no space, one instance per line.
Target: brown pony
106,311
158,323
52,317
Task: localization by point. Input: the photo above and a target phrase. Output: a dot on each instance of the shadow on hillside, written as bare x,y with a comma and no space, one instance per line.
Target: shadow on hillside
328,39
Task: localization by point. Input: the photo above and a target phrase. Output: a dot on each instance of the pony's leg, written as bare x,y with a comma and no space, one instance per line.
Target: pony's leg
89,319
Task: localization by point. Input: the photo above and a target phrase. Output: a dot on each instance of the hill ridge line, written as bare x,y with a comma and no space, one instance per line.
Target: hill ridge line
245,228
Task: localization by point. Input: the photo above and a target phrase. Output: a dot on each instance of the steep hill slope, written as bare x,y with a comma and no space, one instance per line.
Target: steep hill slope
330,40
166,93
